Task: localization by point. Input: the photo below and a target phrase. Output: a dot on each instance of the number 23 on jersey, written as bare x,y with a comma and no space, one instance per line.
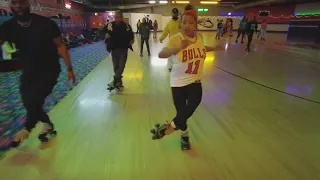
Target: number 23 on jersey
190,55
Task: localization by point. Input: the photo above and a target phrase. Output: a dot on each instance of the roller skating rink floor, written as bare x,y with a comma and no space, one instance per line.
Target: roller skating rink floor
259,120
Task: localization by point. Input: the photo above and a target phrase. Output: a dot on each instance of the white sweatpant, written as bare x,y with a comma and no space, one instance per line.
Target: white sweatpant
263,33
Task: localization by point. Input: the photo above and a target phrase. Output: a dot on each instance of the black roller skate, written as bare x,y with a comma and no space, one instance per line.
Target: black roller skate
185,143
162,130
115,84
19,138
47,132
248,49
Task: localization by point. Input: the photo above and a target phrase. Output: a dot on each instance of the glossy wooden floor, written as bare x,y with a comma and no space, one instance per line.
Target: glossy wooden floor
241,131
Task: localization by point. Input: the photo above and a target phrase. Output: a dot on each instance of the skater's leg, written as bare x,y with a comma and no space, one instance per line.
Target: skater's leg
239,33
32,90
179,96
250,34
27,90
43,89
141,46
148,47
123,55
263,33
115,60
243,34
194,96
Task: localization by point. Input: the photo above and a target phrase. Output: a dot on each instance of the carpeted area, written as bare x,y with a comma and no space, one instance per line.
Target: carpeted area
12,112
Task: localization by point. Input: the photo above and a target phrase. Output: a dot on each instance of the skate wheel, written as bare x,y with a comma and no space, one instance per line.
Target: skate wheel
154,137
153,131
53,133
157,126
44,139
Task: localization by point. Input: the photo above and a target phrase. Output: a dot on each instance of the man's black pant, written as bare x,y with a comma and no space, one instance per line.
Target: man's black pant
34,90
119,60
241,32
147,43
186,100
250,35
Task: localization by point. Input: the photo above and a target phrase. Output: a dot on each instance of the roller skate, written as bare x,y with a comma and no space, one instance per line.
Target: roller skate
19,138
161,130
115,84
47,132
247,49
185,143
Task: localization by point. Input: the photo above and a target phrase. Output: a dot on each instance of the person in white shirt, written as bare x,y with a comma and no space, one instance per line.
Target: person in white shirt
188,53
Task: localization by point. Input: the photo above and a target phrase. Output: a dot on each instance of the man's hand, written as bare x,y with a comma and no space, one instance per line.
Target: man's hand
71,77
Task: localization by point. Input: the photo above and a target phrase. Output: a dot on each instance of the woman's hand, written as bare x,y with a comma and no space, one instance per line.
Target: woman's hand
184,44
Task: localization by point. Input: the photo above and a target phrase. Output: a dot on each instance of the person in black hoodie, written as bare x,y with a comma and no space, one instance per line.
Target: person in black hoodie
119,38
144,31
251,28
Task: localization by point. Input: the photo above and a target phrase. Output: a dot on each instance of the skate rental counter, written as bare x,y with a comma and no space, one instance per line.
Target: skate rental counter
304,30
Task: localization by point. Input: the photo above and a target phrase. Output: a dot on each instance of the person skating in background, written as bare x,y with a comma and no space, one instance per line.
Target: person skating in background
172,28
144,30
40,43
242,29
9,51
219,29
155,28
138,26
119,38
251,28
263,30
186,75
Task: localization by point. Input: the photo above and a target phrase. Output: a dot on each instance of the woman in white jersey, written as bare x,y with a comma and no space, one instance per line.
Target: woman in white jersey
188,54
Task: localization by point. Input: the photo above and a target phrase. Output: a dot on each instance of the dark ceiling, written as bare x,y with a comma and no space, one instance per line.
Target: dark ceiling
125,2
131,4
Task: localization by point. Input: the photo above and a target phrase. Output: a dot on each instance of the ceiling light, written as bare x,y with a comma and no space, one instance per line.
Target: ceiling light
208,2
182,2
152,2
163,2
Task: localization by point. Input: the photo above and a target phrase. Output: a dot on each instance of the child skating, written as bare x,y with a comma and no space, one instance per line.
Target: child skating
188,53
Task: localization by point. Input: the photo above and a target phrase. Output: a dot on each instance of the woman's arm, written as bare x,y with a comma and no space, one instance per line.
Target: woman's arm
167,52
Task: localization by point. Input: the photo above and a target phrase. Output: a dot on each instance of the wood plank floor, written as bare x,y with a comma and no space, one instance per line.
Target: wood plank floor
241,130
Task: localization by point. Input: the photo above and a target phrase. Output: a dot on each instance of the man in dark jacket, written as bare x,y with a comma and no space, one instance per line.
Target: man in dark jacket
251,28
242,28
119,38
144,31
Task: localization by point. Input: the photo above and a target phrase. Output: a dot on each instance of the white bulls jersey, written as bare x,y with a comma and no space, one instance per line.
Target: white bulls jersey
187,65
